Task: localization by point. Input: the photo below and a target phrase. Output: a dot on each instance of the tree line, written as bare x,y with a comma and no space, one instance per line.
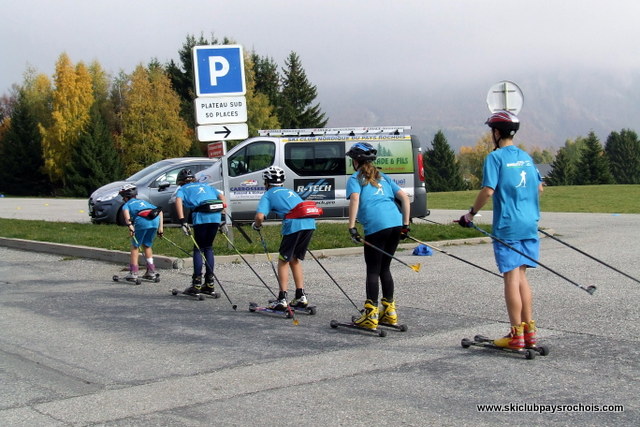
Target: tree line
583,161
72,133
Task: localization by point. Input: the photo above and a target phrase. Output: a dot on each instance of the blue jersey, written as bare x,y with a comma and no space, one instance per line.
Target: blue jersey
281,200
134,206
194,194
377,209
515,180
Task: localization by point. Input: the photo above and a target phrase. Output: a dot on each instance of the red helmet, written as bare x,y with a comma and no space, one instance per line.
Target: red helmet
504,121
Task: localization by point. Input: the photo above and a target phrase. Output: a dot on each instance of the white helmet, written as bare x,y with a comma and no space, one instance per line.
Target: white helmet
274,175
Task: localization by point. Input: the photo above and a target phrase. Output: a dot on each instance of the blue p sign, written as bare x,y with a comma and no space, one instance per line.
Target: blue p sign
219,70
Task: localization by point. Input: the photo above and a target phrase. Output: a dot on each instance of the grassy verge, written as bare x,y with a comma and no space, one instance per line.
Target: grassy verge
327,235
579,198
601,198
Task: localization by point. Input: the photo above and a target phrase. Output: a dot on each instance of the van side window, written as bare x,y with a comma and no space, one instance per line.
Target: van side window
318,158
253,157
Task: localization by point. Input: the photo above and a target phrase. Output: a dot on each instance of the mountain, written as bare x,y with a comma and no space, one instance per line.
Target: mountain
557,106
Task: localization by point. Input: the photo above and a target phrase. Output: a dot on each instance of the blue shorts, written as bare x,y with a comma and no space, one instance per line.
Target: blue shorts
507,259
145,237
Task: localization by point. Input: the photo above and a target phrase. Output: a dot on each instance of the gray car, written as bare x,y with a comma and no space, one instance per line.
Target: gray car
155,183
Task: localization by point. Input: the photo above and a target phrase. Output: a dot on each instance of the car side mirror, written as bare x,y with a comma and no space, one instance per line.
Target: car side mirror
163,185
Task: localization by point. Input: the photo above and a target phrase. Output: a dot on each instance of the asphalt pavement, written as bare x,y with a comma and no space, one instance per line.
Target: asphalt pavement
78,349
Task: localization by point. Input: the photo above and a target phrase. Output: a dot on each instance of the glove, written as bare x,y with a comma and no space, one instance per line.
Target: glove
255,226
185,227
404,231
466,220
160,234
355,236
132,229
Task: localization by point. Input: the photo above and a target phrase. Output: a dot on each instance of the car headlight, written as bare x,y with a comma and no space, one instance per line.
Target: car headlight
107,197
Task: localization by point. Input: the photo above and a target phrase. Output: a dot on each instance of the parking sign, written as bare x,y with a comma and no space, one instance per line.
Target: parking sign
219,70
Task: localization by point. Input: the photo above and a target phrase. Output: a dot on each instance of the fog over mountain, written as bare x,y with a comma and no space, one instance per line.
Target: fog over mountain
558,105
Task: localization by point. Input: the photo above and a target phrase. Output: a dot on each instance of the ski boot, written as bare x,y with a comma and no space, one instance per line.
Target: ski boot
208,287
369,319
388,315
279,304
514,340
132,275
299,301
196,286
151,273
530,339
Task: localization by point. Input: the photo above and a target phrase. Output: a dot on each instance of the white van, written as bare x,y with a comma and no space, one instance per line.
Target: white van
316,167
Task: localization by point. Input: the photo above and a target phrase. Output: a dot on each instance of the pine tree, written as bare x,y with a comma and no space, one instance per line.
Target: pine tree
623,152
441,169
267,78
593,166
95,161
21,162
294,110
561,170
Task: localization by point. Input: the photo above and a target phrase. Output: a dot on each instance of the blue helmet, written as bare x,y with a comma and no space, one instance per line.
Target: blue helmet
362,152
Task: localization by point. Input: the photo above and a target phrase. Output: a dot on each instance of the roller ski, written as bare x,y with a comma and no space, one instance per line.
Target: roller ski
193,291
208,289
148,276
300,305
520,340
367,322
279,307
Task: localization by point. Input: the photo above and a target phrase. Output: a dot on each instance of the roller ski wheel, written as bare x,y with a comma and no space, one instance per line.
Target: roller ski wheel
176,292
482,341
117,278
379,332
255,308
397,327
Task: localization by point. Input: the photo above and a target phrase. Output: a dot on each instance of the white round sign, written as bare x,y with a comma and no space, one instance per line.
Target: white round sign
505,95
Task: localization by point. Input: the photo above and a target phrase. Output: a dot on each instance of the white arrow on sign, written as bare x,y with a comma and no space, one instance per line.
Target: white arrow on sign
221,109
224,132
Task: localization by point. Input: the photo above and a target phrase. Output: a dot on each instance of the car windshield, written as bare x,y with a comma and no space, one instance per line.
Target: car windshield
149,169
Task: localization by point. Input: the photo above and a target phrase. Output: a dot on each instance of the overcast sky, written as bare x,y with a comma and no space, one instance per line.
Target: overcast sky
342,43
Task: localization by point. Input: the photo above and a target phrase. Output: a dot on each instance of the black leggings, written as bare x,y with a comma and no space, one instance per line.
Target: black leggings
204,234
378,263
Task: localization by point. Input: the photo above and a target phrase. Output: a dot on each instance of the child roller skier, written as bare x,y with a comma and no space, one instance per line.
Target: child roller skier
144,220
296,235
206,204
512,180
372,197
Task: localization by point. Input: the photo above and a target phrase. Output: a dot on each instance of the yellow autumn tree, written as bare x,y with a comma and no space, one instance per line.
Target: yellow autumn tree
72,99
261,114
151,127
471,160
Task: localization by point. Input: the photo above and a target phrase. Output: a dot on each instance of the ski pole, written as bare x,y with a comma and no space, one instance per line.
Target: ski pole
204,259
240,229
589,289
334,280
414,267
266,251
587,255
453,256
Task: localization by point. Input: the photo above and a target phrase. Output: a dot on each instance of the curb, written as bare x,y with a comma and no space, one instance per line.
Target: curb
165,262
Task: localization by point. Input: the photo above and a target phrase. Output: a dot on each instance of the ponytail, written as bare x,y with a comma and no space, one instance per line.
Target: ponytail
368,174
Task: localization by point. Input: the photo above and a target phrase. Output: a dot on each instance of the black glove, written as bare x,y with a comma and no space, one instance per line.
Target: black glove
466,220
404,231
355,236
160,234
256,227
185,227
